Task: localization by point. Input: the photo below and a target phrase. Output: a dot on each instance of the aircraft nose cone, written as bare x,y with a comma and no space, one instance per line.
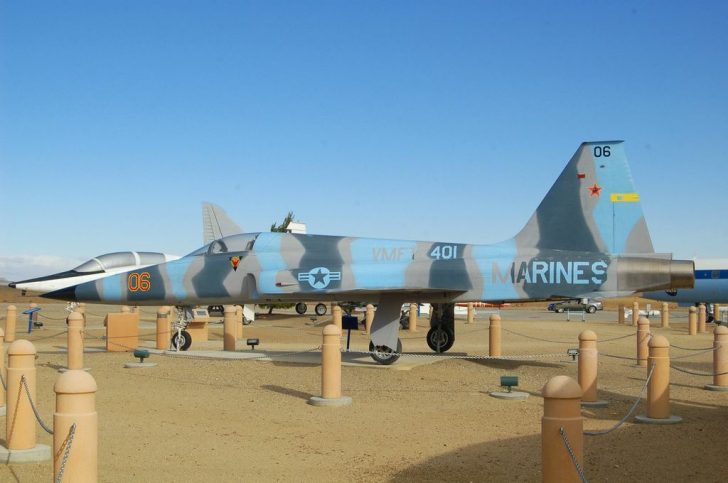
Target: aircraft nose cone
68,294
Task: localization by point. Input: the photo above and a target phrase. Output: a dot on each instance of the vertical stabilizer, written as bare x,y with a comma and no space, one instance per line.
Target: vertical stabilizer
216,223
593,206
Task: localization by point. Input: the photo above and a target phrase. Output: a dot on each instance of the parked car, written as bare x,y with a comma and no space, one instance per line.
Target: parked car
589,307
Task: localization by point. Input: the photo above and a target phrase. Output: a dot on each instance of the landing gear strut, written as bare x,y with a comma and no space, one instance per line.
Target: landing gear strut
181,339
441,335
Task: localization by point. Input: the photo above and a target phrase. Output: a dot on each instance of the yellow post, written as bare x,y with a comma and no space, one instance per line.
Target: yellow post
701,318
716,314
81,309
331,369
163,334
229,330
75,405
369,318
494,336
635,313
10,319
75,341
643,339
20,420
125,309
336,310
692,320
471,313
587,367
413,318
239,321
665,316
658,388
620,314
561,420
720,359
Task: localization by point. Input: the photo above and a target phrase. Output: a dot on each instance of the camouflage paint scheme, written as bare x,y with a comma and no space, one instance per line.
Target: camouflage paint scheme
588,238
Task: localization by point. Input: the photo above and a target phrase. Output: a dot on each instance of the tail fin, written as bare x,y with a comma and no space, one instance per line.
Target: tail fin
593,206
216,223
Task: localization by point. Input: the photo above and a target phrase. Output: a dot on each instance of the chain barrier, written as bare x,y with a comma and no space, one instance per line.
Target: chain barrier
42,423
444,356
690,348
51,318
629,413
565,439
696,353
617,357
695,373
2,379
536,338
66,453
601,341
36,339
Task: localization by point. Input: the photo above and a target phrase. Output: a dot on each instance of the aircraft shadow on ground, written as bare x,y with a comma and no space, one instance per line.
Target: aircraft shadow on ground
692,450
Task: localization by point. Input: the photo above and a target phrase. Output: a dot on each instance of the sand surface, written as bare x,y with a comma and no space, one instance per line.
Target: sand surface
423,419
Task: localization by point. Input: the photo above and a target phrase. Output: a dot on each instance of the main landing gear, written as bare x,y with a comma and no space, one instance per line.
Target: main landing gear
441,335
384,355
320,309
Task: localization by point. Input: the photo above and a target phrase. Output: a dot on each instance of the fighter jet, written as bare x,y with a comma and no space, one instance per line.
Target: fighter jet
587,238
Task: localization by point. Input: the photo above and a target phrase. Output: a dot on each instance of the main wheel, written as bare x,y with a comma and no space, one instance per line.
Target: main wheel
440,339
182,339
559,311
320,309
247,321
301,308
591,309
387,356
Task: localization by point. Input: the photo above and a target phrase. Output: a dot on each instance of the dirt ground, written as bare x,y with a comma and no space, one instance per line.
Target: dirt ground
426,418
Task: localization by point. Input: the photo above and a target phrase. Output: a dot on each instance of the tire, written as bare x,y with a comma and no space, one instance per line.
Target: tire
185,340
320,309
559,311
247,321
301,308
440,339
388,357
591,309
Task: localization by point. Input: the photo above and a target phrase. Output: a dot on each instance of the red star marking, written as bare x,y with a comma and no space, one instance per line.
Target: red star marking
595,189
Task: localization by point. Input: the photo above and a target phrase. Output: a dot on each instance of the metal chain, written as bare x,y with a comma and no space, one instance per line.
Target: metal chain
629,413
615,338
695,354
66,453
617,357
695,373
35,339
565,439
32,405
51,318
536,338
444,356
690,349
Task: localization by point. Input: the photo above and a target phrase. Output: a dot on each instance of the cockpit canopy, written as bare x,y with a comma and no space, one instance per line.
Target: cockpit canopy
110,261
233,243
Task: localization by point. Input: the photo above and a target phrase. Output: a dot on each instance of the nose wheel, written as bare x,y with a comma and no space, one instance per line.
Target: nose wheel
181,340
440,338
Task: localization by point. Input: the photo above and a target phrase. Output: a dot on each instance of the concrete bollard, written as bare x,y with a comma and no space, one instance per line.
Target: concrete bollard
702,317
81,309
75,341
635,313
692,320
336,311
20,420
10,319
643,339
494,336
413,318
665,316
163,334
620,314
75,404
658,389
369,318
561,409
716,313
471,313
2,372
587,369
229,330
125,309
720,359
331,369
239,321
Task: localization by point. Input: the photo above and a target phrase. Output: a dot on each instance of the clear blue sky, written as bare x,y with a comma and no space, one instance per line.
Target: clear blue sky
398,119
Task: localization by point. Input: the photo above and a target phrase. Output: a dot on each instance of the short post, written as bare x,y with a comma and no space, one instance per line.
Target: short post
665,315
331,370
471,313
635,313
720,359
336,311
561,421
81,309
643,339
229,330
163,334
2,372
75,341
20,425
494,336
125,309
701,318
587,369
369,318
413,318
692,320
716,313
658,389
620,314
10,319
239,320
75,411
